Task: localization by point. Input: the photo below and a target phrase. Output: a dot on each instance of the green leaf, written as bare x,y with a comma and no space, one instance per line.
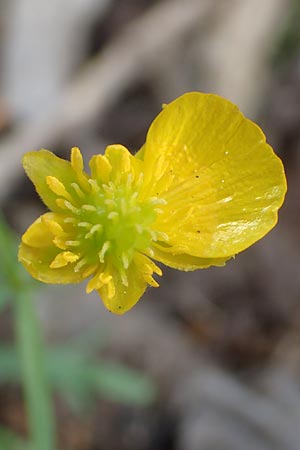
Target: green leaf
111,380
122,384
78,377
12,275
11,441
32,355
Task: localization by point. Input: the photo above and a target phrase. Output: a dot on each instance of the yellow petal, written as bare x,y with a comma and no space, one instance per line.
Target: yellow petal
100,168
37,252
76,160
62,259
116,296
37,235
223,184
183,261
42,164
122,163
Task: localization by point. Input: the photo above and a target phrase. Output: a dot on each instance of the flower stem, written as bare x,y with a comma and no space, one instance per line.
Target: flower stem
36,389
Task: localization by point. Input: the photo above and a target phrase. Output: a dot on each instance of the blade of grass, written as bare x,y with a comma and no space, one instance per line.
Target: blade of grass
29,343
37,394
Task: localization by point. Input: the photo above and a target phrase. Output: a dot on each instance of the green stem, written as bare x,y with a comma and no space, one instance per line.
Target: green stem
36,389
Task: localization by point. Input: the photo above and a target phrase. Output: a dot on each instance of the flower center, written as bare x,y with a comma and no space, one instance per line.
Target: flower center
106,227
115,223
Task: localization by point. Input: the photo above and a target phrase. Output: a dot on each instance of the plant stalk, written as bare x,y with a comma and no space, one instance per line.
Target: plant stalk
39,406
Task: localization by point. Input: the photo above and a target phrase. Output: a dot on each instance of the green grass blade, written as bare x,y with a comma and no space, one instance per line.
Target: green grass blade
37,395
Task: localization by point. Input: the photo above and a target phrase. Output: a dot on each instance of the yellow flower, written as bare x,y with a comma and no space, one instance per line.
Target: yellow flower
204,187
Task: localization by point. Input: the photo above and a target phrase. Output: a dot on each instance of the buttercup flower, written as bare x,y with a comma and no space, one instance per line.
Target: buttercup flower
204,187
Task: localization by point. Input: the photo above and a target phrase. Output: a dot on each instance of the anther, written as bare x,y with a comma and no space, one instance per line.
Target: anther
80,264
103,250
77,189
62,259
64,204
124,278
57,187
70,220
71,207
93,230
150,280
84,224
110,202
72,243
125,260
76,160
89,208
108,188
153,235
113,215
94,185
150,251
161,235
158,201
140,179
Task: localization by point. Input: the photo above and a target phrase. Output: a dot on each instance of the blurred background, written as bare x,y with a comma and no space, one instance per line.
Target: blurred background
211,359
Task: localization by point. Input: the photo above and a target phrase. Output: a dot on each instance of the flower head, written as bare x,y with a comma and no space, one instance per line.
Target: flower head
204,187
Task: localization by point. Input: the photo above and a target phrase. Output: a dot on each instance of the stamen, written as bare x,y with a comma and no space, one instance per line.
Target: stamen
150,280
72,243
125,261
108,189
57,187
153,235
84,224
140,180
77,189
104,249
158,201
62,259
76,160
69,206
59,243
114,215
80,264
89,208
111,290
105,277
150,251
162,236
124,278
99,280
70,220
93,230
97,227
94,185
